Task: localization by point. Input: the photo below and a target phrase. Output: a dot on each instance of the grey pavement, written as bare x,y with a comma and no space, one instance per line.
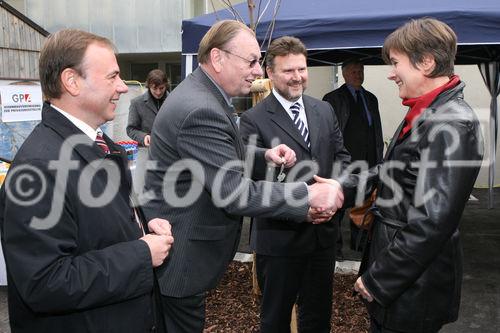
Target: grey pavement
480,229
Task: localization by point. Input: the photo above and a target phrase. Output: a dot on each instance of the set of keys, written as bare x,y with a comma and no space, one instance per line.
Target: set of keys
282,174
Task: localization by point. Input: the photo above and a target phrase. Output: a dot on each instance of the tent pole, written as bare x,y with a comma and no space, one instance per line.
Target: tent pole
493,144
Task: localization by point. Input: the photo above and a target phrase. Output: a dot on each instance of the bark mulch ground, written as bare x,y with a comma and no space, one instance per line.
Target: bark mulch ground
232,307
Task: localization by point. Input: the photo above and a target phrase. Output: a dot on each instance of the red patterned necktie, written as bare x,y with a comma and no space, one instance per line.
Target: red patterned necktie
101,143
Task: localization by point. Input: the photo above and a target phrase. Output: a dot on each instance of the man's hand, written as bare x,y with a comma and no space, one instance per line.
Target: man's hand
325,196
147,140
281,154
160,227
316,216
363,292
160,241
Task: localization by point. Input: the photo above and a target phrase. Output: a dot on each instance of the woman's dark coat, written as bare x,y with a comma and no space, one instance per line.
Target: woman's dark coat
414,271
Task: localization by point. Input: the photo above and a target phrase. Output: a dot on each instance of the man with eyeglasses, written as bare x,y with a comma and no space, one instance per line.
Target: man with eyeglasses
199,181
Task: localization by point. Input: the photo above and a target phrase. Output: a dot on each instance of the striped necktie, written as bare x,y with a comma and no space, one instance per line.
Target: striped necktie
101,143
301,126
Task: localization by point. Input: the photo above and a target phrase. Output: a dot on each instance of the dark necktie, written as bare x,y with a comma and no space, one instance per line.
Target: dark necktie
301,126
361,106
101,143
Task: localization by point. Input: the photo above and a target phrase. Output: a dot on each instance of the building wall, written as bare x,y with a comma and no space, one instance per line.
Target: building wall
135,26
145,32
20,47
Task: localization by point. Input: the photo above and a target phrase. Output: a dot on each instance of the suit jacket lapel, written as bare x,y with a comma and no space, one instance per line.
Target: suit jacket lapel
283,120
351,102
88,149
150,102
313,121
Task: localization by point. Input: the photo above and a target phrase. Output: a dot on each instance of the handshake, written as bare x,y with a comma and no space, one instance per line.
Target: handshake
325,196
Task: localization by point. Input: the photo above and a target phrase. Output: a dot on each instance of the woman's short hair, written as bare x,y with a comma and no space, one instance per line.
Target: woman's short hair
156,77
218,36
423,37
64,49
283,46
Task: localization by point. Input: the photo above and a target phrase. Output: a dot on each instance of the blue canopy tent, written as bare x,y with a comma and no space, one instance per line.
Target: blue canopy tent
334,31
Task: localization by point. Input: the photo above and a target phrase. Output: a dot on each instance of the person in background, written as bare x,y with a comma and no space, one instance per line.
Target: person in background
76,254
142,112
295,261
413,275
359,119
196,145
143,108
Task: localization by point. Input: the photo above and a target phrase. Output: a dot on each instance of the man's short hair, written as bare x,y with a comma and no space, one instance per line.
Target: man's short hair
156,77
284,46
351,61
218,36
420,38
64,49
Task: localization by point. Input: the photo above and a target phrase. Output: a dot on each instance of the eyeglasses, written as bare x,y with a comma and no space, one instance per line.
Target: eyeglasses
251,63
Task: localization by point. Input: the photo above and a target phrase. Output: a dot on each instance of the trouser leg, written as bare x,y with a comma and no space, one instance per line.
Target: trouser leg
185,314
315,293
279,279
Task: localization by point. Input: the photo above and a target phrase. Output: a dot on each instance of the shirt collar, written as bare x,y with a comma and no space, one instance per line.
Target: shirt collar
353,90
81,125
286,103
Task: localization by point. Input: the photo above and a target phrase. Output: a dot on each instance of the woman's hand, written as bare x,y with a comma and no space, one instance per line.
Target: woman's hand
360,288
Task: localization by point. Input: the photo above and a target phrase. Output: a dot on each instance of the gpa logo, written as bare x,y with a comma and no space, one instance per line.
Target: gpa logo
21,98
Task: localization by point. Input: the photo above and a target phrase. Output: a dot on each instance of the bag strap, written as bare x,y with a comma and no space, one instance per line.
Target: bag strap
361,230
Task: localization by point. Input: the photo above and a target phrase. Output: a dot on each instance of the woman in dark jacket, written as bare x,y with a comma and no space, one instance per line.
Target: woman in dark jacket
413,274
143,108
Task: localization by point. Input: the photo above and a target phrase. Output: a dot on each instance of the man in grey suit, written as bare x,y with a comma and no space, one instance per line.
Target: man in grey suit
199,180
295,261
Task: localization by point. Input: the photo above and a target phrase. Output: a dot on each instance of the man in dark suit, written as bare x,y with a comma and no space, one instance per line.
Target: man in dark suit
77,259
357,112
295,261
199,181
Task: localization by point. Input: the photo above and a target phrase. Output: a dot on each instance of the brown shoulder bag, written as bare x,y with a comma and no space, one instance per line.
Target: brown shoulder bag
361,216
